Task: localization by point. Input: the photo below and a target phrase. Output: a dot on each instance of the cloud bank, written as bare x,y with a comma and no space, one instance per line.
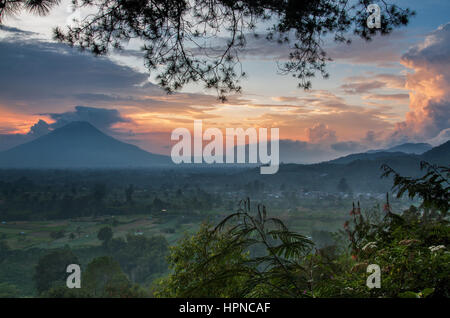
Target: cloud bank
429,86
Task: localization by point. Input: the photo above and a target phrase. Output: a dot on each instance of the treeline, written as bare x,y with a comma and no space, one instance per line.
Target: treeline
23,199
125,265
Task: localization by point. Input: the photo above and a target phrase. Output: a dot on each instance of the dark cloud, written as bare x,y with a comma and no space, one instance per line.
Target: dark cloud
97,97
365,84
348,146
99,117
382,51
361,87
388,97
46,77
295,151
36,69
40,128
256,47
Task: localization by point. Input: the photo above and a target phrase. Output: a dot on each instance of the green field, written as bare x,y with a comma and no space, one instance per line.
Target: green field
37,234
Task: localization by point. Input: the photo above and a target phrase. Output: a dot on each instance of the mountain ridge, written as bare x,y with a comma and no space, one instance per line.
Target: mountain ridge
438,155
78,145
408,148
81,145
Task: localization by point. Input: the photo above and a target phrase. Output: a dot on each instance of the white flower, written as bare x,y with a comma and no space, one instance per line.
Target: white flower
369,246
348,288
437,248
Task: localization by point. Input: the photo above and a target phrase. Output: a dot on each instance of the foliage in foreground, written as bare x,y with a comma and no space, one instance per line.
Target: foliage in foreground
257,256
103,278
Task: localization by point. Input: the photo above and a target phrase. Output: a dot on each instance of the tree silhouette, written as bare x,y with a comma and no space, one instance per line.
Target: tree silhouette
51,268
201,40
129,193
343,186
12,7
433,188
105,234
104,278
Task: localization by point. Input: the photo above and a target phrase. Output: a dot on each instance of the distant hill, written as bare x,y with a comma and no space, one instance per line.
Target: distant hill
368,156
78,145
439,155
410,148
361,171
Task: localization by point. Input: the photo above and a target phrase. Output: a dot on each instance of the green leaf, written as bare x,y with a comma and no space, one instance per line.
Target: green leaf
427,292
409,294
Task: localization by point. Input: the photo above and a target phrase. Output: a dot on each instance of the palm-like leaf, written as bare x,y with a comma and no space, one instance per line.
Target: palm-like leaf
284,249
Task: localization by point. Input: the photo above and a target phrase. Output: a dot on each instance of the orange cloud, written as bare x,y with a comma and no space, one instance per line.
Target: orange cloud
17,123
429,86
320,133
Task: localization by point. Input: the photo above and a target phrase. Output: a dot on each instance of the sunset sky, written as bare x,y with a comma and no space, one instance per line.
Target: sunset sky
392,90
